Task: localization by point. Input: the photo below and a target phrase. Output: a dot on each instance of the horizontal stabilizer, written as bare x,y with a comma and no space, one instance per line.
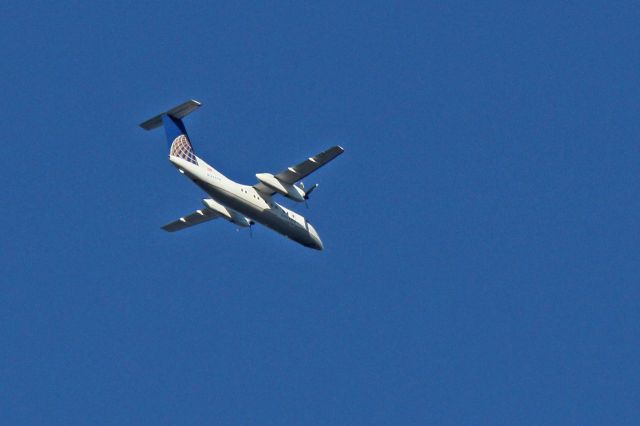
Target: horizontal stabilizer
176,112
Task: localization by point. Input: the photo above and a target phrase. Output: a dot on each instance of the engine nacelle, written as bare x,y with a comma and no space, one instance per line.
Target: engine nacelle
231,215
286,189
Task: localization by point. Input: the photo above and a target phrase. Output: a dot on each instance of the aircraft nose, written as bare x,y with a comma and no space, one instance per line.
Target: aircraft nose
317,242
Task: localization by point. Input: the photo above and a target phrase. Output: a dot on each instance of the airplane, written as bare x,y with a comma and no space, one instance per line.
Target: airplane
242,205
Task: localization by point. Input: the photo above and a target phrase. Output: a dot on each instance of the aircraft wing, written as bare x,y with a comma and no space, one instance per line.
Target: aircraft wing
301,170
195,218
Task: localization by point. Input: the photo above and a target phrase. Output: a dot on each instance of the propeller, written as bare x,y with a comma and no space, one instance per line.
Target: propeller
251,223
307,193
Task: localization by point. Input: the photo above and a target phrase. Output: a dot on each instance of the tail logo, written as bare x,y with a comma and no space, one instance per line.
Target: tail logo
181,148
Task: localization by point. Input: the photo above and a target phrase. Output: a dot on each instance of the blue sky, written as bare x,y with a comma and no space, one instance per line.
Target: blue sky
480,231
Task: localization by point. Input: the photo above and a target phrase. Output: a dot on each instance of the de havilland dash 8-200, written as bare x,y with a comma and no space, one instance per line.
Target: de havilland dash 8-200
242,205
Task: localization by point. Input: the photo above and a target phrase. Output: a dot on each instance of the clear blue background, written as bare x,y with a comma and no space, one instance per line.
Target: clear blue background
481,229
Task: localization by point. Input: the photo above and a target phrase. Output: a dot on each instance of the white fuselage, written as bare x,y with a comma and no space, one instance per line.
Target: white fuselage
249,202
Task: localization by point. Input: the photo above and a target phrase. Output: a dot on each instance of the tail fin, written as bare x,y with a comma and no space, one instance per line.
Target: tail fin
177,138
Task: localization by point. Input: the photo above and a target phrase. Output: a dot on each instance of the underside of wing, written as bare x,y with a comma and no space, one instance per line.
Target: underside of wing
295,173
195,218
301,170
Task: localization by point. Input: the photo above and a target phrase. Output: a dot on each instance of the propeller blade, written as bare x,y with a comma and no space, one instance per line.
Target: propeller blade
306,194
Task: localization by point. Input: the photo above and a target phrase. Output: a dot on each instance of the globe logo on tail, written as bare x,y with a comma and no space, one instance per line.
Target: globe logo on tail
181,148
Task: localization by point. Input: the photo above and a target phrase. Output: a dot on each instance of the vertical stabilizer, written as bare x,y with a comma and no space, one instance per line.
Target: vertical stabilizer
177,138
